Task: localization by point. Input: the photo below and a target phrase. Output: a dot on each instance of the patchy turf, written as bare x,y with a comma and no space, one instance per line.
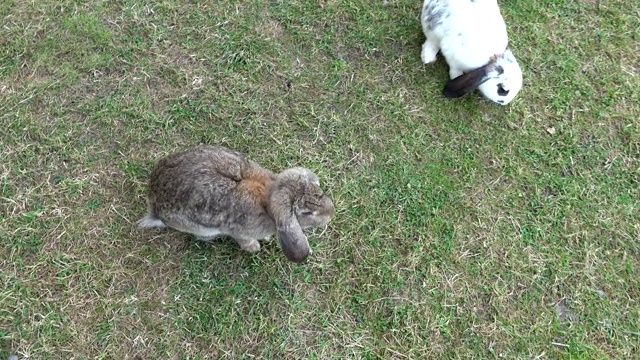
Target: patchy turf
463,229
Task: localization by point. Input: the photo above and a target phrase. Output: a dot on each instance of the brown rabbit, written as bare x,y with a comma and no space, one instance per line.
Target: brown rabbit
211,191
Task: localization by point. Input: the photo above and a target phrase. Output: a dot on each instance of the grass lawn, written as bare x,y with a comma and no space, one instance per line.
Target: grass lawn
464,229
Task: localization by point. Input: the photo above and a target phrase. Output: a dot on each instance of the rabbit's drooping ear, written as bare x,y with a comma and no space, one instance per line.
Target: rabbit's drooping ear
467,82
290,236
292,240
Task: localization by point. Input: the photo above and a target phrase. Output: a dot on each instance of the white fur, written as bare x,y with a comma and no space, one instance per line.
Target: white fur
205,233
201,232
468,34
149,221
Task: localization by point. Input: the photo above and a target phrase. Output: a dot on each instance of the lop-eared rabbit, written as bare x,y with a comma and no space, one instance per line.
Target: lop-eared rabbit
472,36
211,191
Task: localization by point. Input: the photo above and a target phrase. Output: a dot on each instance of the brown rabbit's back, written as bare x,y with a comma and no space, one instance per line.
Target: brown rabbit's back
254,184
211,186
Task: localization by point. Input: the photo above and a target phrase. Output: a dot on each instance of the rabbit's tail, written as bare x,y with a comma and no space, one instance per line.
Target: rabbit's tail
150,221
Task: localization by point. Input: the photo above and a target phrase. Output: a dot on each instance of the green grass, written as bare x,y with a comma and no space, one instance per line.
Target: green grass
463,229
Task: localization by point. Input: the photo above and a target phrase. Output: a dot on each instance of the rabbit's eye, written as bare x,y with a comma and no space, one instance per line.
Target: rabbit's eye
307,213
502,91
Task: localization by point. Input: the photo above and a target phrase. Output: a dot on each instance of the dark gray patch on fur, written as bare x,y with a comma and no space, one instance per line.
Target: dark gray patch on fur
500,70
433,12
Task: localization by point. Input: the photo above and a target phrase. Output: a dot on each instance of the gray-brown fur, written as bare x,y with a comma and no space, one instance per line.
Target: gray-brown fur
213,191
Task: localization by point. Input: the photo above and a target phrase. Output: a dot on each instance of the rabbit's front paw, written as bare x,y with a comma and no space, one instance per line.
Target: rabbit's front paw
251,246
429,52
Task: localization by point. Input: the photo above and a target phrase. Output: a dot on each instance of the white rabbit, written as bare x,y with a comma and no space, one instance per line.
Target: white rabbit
472,36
